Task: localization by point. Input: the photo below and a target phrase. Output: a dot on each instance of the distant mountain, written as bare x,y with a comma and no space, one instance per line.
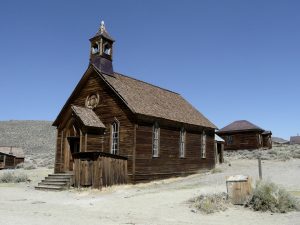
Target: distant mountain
37,138
279,140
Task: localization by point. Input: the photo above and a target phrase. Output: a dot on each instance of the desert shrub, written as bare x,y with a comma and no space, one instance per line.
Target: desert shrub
11,177
216,170
22,177
282,153
268,196
20,166
210,203
283,156
26,166
6,177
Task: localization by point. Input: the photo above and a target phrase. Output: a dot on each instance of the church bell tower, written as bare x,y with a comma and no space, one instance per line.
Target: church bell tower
101,52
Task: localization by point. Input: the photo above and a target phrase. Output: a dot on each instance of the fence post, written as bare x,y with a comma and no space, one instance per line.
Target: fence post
259,168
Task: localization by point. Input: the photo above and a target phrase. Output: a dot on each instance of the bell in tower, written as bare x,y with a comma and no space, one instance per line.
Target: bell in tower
102,51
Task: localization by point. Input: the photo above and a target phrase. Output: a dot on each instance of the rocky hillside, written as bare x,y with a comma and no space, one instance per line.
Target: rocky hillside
37,138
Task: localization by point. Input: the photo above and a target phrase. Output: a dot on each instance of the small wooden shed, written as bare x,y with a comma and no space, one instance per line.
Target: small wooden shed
294,140
242,134
10,157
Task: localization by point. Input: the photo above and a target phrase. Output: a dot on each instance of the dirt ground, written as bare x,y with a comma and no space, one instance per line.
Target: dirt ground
161,202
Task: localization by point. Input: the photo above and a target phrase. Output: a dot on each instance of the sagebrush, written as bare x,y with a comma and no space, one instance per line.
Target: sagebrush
282,153
11,177
210,203
267,196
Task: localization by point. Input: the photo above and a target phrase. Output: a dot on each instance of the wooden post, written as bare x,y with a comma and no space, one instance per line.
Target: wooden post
259,168
133,153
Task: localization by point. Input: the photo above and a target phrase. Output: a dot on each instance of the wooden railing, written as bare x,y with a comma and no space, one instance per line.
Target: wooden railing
99,169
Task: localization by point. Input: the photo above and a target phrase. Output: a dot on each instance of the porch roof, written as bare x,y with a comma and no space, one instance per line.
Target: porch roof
87,116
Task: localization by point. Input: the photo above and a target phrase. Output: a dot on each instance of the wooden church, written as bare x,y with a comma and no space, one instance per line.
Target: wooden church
143,132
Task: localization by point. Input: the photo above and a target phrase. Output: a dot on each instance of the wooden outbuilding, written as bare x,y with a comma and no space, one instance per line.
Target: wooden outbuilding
295,140
111,117
10,157
242,134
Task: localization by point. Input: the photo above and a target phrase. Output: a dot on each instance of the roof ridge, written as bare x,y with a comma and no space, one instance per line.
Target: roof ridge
147,83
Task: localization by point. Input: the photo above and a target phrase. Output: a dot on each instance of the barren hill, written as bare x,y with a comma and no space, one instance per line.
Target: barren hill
37,138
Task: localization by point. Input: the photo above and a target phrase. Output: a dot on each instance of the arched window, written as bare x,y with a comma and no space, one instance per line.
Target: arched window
95,48
115,133
107,49
155,142
182,143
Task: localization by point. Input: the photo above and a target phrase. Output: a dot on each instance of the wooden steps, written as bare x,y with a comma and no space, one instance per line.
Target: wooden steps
56,182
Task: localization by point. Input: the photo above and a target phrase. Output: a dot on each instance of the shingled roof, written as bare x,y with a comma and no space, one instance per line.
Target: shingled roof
15,151
240,125
87,116
146,99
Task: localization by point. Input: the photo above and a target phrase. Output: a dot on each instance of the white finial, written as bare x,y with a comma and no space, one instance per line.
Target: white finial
102,27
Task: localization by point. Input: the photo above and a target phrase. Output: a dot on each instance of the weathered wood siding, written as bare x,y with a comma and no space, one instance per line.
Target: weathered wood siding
58,153
110,108
267,141
169,163
100,172
243,140
18,160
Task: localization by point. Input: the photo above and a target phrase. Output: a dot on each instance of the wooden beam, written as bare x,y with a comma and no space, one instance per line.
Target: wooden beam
80,144
134,152
61,150
85,142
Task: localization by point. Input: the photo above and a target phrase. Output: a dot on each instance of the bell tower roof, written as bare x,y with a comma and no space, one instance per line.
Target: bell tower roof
102,33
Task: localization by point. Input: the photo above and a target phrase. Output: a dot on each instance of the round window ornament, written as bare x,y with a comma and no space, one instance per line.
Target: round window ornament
92,101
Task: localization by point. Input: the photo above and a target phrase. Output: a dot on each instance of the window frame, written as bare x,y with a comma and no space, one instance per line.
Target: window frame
203,145
115,145
230,140
182,143
155,140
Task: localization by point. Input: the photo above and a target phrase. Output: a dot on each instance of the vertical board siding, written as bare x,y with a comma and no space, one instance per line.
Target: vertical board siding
101,172
243,140
169,163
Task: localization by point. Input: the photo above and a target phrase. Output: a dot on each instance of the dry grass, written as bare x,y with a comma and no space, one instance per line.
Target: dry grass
11,177
268,196
216,170
211,203
281,153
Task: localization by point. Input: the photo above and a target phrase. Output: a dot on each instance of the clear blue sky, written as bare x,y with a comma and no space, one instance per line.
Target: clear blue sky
231,59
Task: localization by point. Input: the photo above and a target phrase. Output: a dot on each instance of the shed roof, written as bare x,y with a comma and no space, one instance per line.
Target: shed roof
87,116
295,140
240,125
218,138
147,99
10,150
